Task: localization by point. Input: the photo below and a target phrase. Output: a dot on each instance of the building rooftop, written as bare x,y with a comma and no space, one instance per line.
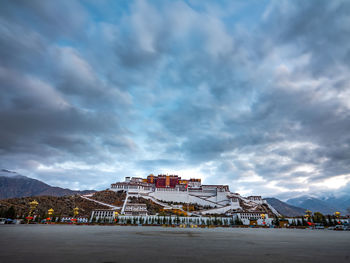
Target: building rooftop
135,204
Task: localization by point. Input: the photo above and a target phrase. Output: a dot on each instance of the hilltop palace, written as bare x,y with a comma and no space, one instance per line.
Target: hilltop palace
216,199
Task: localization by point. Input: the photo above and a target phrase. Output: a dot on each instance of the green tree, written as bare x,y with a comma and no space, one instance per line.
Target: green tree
329,220
299,222
220,221
324,221
11,213
334,220
276,221
318,217
238,221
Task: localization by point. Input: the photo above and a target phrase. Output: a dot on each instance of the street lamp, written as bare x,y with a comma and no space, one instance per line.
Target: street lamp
33,204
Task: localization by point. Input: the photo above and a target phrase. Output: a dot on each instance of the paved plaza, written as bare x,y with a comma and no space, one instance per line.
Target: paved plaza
107,244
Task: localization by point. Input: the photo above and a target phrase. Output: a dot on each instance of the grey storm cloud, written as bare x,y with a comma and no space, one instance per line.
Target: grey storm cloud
99,90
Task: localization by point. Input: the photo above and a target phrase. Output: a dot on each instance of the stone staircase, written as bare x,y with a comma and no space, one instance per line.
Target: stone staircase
206,199
101,203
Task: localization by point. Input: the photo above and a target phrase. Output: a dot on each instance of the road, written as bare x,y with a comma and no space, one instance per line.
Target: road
112,244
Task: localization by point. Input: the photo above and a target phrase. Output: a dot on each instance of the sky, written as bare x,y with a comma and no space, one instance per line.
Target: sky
253,94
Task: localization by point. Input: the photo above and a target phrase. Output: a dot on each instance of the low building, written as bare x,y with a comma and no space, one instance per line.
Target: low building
215,188
135,209
249,215
132,187
253,222
69,219
283,223
103,215
252,218
254,198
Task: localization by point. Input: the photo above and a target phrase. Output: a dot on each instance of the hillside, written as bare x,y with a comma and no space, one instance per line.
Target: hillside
110,197
285,209
63,206
15,185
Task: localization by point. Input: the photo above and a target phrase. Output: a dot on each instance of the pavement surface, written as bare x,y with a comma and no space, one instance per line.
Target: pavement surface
115,244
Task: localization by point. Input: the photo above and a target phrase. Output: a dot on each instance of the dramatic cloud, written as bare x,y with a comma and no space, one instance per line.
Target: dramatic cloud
252,94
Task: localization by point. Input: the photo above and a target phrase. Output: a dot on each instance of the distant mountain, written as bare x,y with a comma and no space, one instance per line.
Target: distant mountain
284,208
342,203
315,205
10,174
13,185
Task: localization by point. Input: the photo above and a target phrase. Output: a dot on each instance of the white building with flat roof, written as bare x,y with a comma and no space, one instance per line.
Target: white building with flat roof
133,209
103,214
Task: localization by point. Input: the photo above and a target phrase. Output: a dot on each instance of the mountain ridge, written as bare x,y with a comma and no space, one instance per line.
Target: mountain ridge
14,185
323,205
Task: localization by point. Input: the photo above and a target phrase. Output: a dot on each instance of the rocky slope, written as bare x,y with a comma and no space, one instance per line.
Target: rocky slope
285,209
63,206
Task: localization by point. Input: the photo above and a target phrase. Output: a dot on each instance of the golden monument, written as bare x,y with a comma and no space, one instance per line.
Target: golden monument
75,214
308,214
50,213
337,216
263,216
33,204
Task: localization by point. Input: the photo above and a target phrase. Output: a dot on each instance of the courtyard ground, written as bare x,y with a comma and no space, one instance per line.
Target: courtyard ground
72,243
